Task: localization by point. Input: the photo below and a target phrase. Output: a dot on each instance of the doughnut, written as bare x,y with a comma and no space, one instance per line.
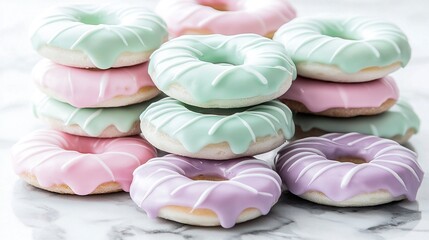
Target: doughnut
341,99
85,88
218,134
90,122
349,170
399,123
68,164
97,36
237,71
355,49
228,17
204,192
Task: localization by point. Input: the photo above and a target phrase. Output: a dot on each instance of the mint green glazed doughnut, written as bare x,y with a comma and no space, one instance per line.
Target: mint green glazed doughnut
355,49
175,127
91,122
100,36
217,71
399,123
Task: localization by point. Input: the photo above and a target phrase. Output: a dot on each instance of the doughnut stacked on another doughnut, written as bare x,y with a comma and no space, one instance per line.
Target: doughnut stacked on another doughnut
220,107
96,84
343,66
85,45
228,17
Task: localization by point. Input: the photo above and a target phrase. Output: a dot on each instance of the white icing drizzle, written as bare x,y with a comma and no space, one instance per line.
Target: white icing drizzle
398,164
309,166
91,118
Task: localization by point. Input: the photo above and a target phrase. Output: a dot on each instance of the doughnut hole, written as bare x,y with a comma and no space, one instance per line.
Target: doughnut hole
222,58
208,177
352,159
98,18
217,5
345,34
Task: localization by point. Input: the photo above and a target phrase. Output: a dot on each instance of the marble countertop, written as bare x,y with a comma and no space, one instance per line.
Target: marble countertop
28,213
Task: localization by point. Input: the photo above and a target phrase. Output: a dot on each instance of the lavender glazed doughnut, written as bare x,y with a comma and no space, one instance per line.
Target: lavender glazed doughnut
204,192
348,170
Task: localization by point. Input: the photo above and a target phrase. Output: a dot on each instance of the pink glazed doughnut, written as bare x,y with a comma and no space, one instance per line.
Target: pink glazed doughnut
205,192
68,164
350,169
341,99
88,88
227,17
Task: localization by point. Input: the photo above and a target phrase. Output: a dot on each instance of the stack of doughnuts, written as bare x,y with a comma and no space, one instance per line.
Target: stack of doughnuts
220,107
343,83
96,85
343,88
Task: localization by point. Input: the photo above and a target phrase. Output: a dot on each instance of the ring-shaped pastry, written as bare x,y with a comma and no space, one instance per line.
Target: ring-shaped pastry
229,17
356,49
64,163
89,88
341,99
217,71
203,192
90,122
97,36
349,170
175,127
399,123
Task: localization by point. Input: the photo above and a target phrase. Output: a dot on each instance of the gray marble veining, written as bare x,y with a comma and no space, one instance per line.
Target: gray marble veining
28,213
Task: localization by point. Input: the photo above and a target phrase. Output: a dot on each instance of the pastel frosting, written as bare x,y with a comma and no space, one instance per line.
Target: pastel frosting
310,164
166,181
92,121
234,67
84,88
196,128
103,32
82,163
238,16
395,121
318,96
352,44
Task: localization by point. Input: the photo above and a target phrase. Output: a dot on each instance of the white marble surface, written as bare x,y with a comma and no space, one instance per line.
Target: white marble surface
28,213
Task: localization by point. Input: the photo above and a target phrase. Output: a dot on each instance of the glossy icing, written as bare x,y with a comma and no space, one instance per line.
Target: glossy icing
241,16
92,120
319,96
238,127
234,67
307,165
166,181
82,163
396,121
103,32
352,44
85,88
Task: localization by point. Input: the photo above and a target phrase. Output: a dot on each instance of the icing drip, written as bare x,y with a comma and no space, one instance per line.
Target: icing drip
166,181
239,128
241,16
88,88
110,31
395,121
306,165
256,66
92,120
351,44
82,163
318,96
